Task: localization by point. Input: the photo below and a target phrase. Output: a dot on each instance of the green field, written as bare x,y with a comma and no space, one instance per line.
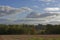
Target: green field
29,37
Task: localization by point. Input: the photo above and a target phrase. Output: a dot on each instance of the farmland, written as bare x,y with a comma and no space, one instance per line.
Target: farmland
29,37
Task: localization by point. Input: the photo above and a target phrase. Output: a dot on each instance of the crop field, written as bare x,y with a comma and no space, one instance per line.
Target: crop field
29,37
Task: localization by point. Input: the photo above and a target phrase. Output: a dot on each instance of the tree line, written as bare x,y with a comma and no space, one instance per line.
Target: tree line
29,29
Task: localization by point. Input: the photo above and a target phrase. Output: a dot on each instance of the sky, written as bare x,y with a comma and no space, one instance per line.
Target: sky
16,9
37,5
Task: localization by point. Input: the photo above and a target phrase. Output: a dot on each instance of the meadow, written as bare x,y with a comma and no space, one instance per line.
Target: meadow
29,37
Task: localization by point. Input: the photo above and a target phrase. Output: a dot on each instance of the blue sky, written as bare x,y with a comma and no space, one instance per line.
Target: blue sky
37,5
31,3
17,3
15,9
22,3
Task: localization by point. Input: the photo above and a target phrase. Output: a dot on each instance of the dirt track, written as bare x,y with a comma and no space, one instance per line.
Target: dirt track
26,37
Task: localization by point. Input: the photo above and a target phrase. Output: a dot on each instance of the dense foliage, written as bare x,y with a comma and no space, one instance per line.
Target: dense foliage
29,29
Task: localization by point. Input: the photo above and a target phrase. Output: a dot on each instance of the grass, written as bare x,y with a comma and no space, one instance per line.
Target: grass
29,37
44,38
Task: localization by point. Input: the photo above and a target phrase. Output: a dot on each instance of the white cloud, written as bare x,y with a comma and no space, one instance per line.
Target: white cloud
44,18
7,10
37,18
44,0
47,0
42,15
33,17
52,9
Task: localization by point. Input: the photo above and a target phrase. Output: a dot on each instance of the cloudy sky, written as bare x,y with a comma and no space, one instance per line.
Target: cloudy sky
14,10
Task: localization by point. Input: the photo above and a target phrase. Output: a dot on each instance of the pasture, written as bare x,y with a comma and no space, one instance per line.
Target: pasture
29,37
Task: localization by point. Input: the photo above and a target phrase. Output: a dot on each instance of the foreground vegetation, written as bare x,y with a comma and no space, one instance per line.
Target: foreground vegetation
44,38
29,29
29,37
